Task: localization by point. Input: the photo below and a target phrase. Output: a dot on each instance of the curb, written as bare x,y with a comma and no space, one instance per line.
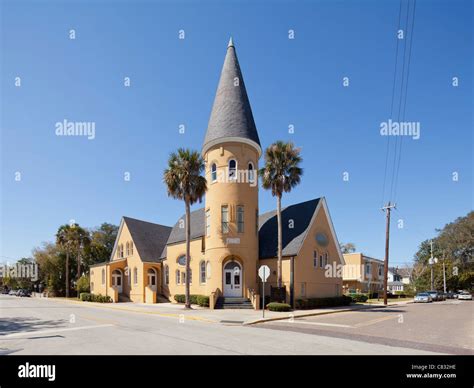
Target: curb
262,320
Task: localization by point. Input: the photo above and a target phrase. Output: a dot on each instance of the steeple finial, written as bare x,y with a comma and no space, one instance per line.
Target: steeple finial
231,43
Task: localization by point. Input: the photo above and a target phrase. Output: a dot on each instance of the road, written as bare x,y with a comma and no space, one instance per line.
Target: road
36,326
445,327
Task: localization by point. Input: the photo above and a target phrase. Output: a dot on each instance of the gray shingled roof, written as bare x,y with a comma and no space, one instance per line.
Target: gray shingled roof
231,114
149,238
300,213
178,234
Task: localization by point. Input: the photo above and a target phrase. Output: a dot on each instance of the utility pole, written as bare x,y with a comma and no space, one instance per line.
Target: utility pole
387,209
444,273
432,261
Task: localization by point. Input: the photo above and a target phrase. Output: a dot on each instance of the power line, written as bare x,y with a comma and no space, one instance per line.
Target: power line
395,154
406,94
387,151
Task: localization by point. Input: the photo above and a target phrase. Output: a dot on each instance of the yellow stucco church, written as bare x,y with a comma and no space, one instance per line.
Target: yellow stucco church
230,239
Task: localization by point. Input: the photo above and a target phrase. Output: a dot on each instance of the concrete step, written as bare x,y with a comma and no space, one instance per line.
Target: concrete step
233,303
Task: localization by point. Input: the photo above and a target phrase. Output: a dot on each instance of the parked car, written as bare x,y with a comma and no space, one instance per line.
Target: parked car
423,297
450,295
465,296
442,296
5,291
434,295
12,292
24,292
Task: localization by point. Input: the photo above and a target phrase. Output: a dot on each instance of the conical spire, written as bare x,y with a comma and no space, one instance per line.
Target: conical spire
231,117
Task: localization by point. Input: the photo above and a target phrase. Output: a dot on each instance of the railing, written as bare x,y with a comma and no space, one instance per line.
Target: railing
254,298
213,298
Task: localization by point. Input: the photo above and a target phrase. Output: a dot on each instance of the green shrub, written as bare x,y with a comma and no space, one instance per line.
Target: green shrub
83,285
99,298
359,298
203,300
85,296
274,306
181,298
312,303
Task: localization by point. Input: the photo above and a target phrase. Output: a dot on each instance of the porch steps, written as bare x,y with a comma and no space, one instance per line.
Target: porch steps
233,303
123,298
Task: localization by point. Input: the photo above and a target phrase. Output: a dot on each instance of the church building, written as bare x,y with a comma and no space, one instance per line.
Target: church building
230,238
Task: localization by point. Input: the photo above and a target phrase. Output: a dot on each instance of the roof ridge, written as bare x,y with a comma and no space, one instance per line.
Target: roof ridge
147,222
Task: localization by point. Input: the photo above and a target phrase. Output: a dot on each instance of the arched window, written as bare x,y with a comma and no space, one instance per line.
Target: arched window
167,274
121,251
326,259
202,272
213,172
151,273
103,276
178,275
315,259
251,173
232,169
182,260
127,249
135,275
131,247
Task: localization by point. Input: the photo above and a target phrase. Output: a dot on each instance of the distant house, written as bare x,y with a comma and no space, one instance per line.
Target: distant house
397,279
362,273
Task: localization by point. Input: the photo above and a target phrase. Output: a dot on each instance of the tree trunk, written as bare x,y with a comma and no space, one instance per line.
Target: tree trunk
67,274
78,264
280,249
188,259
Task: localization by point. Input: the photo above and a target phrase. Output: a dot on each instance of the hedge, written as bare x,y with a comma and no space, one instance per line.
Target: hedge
311,303
201,300
274,306
88,297
358,298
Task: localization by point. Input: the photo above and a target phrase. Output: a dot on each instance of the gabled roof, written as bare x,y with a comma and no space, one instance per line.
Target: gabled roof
231,116
301,214
149,238
178,232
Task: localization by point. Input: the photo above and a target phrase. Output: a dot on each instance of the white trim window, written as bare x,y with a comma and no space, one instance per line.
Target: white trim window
135,275
251,173
131,247
127,249
167,275
232,170
367,269
213,172
225,219
315,259
380,270
208,222
240,219
202,272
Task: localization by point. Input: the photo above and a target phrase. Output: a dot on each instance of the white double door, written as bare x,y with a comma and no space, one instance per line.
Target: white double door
232,280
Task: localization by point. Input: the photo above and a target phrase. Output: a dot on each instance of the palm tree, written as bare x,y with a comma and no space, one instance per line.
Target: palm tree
71,240
281,173
65,240
184,181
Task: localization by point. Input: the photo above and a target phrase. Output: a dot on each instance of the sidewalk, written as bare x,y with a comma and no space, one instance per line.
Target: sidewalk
225,316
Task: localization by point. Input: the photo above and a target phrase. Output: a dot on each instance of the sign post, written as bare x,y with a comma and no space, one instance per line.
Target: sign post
263,273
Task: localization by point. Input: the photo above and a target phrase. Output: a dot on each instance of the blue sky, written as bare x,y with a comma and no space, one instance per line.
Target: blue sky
173,82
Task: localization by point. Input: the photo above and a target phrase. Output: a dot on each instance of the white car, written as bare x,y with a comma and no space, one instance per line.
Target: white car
464,296
423,297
